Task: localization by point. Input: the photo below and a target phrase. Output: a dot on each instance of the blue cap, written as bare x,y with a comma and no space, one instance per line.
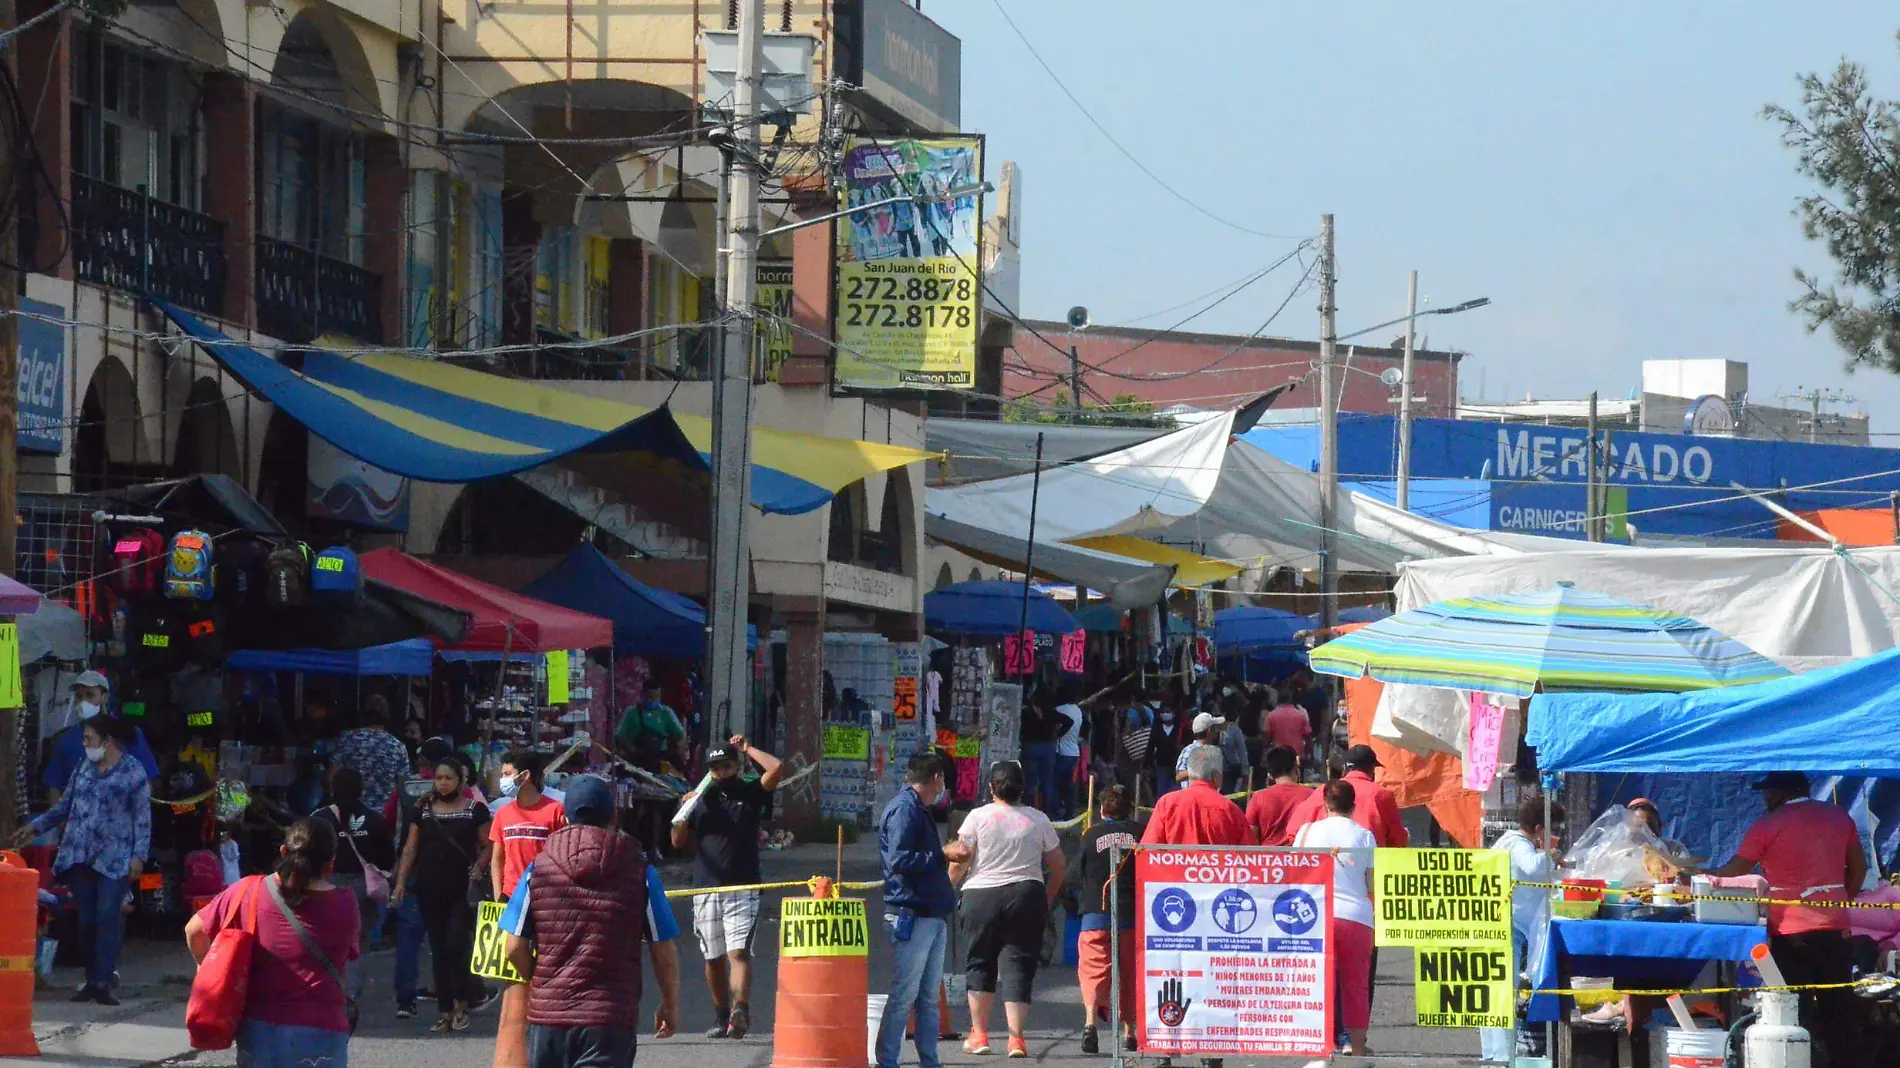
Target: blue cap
588,800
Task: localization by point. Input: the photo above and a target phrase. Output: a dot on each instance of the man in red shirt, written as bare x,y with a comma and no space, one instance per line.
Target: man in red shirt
1374,807
1289,725
1808,850
1198,814
1269,809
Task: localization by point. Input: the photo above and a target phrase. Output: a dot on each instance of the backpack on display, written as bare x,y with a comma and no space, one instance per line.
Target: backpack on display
287,576
189,575
241,572
138,562
336,578
157,640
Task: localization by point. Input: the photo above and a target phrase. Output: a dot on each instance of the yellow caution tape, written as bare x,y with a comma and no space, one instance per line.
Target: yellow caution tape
185,802
1708,989
810,885
1681,895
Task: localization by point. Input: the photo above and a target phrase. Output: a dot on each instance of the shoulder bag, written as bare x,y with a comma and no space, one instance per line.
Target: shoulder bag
310,946
375,879
223,981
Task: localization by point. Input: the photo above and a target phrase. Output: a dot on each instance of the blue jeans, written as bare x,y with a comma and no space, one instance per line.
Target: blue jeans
100,902
265,1045
1039,769
1063,806
918,974
409,933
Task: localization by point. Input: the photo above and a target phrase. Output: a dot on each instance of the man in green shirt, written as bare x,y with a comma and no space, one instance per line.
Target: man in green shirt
650,732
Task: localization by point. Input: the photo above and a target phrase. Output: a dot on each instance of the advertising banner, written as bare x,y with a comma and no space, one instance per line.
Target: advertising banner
907,283
42,385
1232,952
775,299
1442,897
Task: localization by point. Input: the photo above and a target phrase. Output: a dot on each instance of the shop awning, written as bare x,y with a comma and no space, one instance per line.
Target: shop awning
646,621
1843,719
413,657
501,620
439,423
993,608
1190,569
1128,583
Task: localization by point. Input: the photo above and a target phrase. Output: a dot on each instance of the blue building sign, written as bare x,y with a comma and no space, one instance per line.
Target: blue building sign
42,378
1531,479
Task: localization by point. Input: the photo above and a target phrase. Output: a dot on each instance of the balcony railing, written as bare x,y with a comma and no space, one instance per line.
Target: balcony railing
302,294
130,241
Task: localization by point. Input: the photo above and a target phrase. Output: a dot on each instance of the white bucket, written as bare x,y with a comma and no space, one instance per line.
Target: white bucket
1697,1049
874,1015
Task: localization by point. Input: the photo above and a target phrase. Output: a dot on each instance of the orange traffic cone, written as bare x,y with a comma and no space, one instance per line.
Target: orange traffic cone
19,926
823,983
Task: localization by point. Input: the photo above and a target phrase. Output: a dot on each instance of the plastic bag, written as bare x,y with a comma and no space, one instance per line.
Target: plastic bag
1615,849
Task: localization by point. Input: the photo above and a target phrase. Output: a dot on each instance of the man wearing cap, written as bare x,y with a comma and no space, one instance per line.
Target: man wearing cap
568,923
725,819
91,696
1374,807
1207,731
1809,851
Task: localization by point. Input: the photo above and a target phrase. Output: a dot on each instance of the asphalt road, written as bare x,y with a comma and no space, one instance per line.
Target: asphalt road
149,1027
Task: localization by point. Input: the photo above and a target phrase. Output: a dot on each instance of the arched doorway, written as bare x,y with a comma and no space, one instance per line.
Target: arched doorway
207,441
107,442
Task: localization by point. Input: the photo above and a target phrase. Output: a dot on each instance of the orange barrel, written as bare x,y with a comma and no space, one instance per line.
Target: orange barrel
19,937
823,982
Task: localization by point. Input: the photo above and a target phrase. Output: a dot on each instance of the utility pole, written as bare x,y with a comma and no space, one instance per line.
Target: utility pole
728,678
1591,528
1405,397
1075,385
1816,398
9,413
1328,430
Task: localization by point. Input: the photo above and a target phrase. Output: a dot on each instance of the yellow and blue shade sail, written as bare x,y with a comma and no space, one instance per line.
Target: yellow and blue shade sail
436,422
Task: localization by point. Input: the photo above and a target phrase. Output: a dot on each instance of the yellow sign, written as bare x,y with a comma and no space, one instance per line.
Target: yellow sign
1442,897
822,927
908,290
775,299
11,696
847,743
490,960
1463,986
557,677
968,748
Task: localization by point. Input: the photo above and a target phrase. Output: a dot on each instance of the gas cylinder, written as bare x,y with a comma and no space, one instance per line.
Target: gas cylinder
1776,1040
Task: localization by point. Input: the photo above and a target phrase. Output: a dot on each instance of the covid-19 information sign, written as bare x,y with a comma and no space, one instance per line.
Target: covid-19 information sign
1232,951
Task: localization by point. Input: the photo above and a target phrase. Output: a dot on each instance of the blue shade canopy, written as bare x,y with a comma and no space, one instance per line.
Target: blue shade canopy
1556,640
992,608
412,657
1244,630
434,421
647,621
1363,613
1843,719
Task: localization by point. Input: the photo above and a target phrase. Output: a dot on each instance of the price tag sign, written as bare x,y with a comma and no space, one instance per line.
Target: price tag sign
904,707
557,677
1019,654
847,743
1074,644
11,695
967,748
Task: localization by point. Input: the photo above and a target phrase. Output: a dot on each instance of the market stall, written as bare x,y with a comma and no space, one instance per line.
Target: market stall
1259,644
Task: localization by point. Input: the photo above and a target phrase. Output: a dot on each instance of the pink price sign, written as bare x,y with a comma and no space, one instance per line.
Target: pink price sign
1481,750
1074,644
1019,654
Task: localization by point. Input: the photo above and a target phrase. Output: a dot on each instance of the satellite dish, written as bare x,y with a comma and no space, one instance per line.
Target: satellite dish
1392,376
1078,318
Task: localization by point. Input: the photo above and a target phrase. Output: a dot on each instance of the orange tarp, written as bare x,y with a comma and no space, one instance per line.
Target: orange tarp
1436,781
1855,526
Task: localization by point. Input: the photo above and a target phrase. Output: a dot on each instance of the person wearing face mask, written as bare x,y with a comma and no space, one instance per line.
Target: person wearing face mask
106,810
726,822
90,698
519,830
442,853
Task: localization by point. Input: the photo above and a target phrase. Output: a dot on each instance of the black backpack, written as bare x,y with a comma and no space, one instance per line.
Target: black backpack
287,576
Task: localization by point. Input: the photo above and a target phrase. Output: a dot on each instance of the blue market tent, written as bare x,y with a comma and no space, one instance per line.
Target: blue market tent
1363,613
412,657
647,622
1259,642
1841,725
1844,719
992,608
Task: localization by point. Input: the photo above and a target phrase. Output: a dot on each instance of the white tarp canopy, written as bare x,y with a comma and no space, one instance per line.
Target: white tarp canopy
1127,583
1239,501
1804,608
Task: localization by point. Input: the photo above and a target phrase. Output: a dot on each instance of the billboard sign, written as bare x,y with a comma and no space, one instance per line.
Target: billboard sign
908,288
42,393
775,299
909,64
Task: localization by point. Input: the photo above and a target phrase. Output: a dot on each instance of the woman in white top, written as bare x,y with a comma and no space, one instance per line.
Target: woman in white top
999,856
1352,907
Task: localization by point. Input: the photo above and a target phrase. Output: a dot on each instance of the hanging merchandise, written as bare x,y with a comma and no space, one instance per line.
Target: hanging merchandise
336,579
189,572
204,636
157,639
287,576
138,563
242,570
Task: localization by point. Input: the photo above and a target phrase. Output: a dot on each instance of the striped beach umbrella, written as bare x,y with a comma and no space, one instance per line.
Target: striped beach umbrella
1557,640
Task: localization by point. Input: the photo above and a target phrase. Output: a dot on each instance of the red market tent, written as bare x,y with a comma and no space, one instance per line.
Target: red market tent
502,620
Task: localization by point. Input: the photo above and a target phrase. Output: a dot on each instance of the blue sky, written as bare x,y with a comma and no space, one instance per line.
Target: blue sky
1602,173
